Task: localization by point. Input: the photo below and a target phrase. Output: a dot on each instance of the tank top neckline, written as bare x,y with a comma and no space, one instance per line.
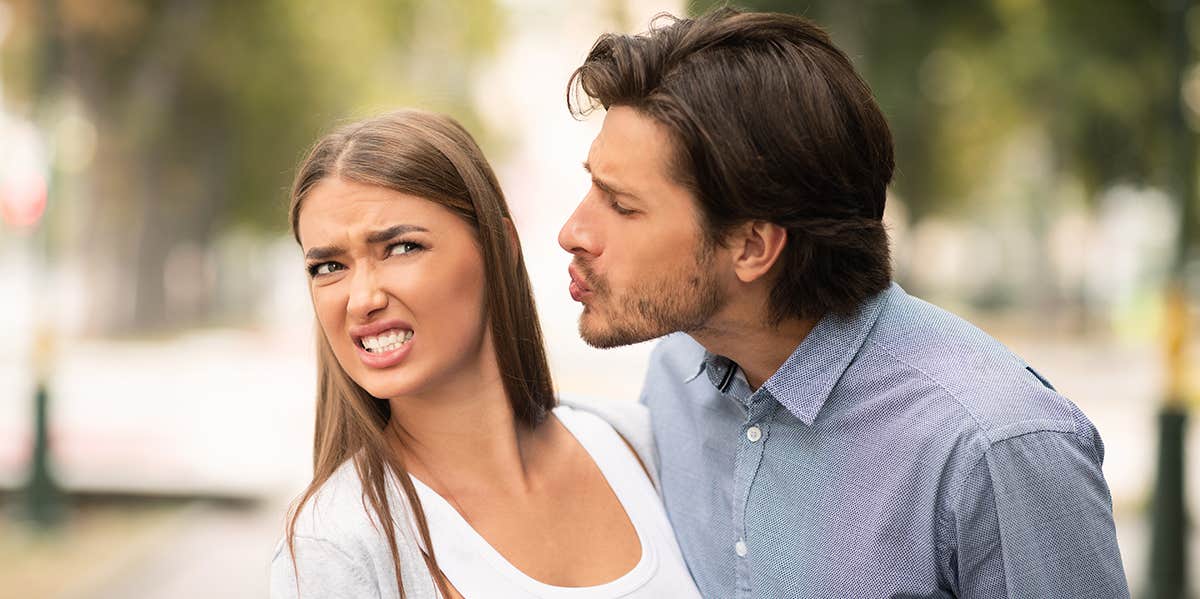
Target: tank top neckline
588,434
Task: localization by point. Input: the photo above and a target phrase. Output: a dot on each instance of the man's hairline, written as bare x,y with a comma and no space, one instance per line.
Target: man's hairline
679,171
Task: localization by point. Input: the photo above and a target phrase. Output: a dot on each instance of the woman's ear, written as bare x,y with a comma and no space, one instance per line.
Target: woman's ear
756,247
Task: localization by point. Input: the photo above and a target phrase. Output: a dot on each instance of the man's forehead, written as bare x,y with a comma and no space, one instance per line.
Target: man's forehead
599,155
629,143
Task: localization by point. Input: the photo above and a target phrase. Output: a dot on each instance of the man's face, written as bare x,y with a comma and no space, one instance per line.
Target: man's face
643,266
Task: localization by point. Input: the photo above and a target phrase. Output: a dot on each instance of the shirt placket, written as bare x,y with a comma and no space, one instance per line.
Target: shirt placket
759,409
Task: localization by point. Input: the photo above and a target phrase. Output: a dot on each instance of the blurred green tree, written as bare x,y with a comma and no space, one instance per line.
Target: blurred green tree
202,108
1010,107
958,79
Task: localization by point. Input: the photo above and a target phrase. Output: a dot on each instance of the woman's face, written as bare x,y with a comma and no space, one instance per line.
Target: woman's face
397,283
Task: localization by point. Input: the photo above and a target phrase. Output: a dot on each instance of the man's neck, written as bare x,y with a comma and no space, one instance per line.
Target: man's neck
757,346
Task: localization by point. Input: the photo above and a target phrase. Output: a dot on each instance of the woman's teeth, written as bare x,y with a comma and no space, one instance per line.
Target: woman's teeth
386,342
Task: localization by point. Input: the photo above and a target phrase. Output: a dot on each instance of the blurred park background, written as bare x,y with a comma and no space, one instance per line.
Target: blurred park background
155,328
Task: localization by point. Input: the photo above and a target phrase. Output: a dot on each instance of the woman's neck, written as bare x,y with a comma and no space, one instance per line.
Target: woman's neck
462,437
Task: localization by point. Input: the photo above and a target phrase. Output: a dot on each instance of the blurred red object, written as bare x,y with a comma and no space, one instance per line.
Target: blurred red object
23,201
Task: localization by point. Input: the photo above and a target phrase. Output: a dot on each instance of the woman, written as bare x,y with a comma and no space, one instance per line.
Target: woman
442,466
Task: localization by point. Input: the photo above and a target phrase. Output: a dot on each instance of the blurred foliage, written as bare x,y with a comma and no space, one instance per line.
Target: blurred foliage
202,108
249,85
1090,80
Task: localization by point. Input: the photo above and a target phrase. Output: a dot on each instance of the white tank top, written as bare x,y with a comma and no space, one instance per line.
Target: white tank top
477,570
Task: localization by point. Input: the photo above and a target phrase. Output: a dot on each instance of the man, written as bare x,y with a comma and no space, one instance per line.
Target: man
820,433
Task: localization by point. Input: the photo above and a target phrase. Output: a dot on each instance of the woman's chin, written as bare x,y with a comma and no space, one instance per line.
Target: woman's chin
386,390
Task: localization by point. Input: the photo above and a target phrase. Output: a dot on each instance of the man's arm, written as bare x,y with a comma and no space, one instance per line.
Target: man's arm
1033,518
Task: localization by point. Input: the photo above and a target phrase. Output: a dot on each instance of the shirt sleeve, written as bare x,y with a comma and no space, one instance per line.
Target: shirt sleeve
1034,518
321,570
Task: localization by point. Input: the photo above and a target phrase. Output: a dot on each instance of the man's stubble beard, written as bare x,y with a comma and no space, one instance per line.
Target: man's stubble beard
646,311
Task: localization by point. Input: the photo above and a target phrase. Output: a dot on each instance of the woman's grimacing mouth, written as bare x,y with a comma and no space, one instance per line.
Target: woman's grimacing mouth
386,341
382,336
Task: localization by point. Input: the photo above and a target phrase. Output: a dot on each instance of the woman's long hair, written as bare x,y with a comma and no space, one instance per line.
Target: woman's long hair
432,157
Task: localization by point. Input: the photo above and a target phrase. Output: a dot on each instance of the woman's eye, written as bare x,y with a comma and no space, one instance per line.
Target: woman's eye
404,247
324,268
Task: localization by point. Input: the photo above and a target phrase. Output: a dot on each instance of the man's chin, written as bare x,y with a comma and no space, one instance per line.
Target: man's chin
603,341
605,336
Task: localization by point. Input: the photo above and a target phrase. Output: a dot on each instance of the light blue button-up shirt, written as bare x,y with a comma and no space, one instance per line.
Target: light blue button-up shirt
900,452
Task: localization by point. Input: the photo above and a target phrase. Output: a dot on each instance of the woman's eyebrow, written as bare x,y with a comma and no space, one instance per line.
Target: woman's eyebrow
324,252
380,236
393,232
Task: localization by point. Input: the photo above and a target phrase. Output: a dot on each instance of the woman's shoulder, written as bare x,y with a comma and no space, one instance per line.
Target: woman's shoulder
337,510
337,534
339,516
629,419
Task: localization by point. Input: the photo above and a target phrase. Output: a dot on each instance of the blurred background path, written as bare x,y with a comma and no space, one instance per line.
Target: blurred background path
154,544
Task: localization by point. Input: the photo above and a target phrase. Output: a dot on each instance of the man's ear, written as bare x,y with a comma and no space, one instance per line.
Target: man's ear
756,247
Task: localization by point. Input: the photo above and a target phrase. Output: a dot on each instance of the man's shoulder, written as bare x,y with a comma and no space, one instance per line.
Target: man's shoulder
957,363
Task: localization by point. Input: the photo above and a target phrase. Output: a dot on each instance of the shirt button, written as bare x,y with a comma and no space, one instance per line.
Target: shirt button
754,434
740,548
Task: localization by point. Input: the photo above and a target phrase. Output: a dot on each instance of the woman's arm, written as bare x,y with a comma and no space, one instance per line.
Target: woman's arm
321,570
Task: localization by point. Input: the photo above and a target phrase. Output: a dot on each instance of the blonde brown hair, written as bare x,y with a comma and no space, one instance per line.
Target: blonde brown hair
433,157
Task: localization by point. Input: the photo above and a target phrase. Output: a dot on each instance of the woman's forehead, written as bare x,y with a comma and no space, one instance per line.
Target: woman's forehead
339,208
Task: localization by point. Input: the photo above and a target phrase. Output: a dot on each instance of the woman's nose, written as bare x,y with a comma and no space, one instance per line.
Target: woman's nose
366,295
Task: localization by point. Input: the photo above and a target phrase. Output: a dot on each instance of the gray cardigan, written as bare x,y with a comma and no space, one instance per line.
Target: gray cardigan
341,553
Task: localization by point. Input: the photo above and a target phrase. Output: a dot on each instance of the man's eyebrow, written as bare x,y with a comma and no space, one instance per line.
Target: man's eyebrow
380,236
607,186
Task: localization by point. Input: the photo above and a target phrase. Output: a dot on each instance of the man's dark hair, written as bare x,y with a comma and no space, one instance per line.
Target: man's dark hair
770,122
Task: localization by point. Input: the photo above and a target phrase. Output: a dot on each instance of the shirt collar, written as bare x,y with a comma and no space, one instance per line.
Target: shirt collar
702,358
808,376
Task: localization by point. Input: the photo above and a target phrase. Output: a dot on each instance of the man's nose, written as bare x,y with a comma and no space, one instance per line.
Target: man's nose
579,235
